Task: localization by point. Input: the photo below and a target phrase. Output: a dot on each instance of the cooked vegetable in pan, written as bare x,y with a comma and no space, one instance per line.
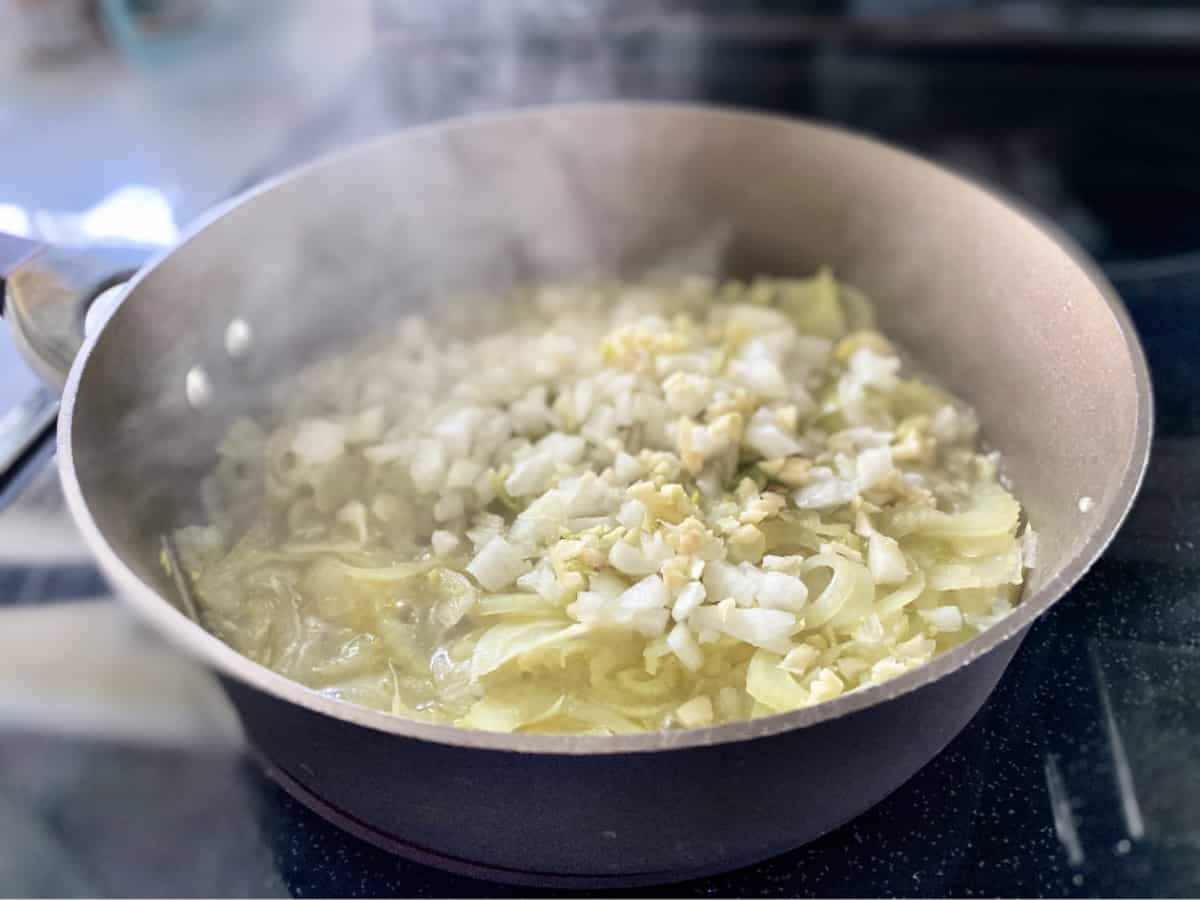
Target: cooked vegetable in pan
617,508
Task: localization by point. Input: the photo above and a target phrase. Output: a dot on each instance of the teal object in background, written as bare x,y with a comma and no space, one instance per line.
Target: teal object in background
157,33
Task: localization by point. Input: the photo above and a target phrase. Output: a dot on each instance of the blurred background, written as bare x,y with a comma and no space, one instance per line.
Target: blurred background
121,769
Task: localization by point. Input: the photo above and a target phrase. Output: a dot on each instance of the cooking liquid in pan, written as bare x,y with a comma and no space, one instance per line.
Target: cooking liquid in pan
624,508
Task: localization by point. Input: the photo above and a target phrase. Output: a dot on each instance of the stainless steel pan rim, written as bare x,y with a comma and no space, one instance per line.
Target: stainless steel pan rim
147,601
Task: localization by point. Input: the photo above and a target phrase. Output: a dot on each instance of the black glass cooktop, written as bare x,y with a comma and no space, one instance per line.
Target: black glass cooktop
1081,775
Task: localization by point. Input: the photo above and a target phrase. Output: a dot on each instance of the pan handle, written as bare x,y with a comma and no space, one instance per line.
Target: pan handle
47,292
45,295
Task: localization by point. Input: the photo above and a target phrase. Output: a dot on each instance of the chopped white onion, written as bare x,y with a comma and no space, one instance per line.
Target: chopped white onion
779,591
444,543
943,618
885,559
318,442
498,564
683,645
696,713
825,494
